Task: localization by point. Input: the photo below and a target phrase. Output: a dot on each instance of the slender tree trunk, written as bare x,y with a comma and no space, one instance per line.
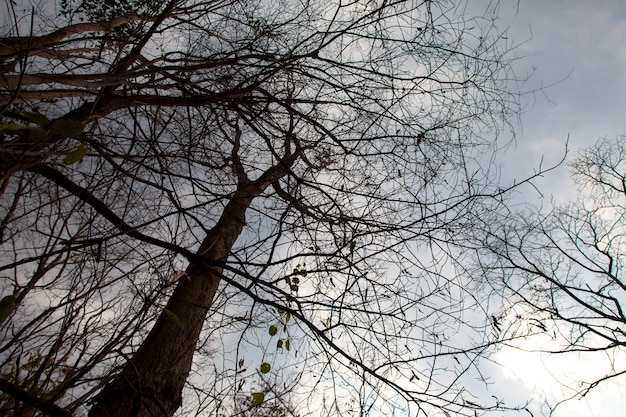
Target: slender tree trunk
152,381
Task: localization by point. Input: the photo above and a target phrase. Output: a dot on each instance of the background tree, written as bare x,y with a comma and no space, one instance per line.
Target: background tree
291,177
562,271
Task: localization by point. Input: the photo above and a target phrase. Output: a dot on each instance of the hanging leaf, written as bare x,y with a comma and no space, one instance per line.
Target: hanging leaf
36,134
7,304
273,330
257,398
12,127
40,119
173,317
66,127
265,367
287,318
287,345
279,344
76,155
300,270
241,363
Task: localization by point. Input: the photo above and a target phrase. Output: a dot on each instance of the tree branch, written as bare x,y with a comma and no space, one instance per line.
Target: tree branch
32,400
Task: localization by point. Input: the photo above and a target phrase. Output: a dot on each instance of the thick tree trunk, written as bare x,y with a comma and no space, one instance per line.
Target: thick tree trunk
152,381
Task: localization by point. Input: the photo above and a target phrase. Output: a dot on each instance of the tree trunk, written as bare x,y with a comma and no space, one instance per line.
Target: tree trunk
152,381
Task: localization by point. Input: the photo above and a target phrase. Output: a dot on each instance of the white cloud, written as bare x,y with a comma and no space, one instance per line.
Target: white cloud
555,382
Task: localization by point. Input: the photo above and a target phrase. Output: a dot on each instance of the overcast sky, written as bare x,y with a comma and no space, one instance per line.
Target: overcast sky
575,54
576,49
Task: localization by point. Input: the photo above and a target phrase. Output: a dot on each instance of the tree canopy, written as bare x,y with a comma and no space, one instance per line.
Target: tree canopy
230,204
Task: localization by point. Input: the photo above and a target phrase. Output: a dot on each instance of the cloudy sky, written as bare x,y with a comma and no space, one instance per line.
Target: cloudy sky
575,54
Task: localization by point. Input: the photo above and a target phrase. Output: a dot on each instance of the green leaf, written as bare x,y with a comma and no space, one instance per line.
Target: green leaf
12,127
173,317
287,318
36,133
257,398
7,304
40,119
279,344
265,367
76,155
296,281
273,330
287,345
66,127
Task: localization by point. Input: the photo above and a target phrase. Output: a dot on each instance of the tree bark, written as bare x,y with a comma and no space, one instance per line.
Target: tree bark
152,381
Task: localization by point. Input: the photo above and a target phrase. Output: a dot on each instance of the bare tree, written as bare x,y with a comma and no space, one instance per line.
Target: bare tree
562,272
284,175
